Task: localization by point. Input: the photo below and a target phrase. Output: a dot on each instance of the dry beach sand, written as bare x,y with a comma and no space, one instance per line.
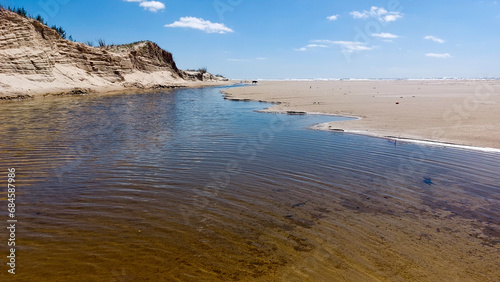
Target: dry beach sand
464,112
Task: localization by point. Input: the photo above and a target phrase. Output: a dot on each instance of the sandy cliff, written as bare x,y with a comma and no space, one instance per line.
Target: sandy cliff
34,59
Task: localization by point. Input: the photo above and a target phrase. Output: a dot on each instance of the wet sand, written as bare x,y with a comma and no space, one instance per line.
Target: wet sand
451,111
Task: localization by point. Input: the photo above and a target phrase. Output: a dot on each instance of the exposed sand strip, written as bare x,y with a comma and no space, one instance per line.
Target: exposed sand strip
461,112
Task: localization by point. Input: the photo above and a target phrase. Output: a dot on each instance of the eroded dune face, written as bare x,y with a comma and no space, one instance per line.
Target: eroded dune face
35,58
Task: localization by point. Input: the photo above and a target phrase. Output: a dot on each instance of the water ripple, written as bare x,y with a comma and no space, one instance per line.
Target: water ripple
186,186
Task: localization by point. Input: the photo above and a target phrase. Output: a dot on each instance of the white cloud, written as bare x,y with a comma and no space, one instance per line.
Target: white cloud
333,17
441,56
310,46
323,41
152,6
378,13
385,35
351,46
316,45
347,46
434,38
261,58
200,24
392,17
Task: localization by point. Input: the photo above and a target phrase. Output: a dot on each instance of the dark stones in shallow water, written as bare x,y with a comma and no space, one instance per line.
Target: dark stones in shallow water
295,113
78,91
428,181
18,97
336,130
74,91
237,100
162,86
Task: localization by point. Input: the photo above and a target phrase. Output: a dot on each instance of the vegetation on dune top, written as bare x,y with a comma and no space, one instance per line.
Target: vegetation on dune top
23,13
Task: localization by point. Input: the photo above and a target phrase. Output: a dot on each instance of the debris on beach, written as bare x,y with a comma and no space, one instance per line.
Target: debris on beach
299,204
428,181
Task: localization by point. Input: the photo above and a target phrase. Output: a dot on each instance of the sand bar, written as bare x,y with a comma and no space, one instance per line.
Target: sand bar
463,112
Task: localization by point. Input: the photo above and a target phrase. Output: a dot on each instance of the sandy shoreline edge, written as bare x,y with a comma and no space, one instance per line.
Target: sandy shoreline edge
460,114
326,127
417,141
6,97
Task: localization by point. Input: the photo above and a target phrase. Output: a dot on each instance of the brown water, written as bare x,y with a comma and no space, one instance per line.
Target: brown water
186,186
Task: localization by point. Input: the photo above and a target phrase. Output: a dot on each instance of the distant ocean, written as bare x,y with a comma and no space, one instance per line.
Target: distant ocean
365,79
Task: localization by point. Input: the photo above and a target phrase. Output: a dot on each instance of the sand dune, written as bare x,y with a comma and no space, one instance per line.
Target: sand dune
35,59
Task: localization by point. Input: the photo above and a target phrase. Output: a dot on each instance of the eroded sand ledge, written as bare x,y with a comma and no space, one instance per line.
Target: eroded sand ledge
461,112
36,61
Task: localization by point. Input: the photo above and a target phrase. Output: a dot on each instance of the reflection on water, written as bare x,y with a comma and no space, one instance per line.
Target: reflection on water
186,186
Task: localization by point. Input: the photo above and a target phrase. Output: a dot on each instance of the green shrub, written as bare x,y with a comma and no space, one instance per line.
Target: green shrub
40,19
22,12
101,42
59,30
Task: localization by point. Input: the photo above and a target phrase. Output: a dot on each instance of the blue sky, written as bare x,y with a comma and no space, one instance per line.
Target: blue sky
251,39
